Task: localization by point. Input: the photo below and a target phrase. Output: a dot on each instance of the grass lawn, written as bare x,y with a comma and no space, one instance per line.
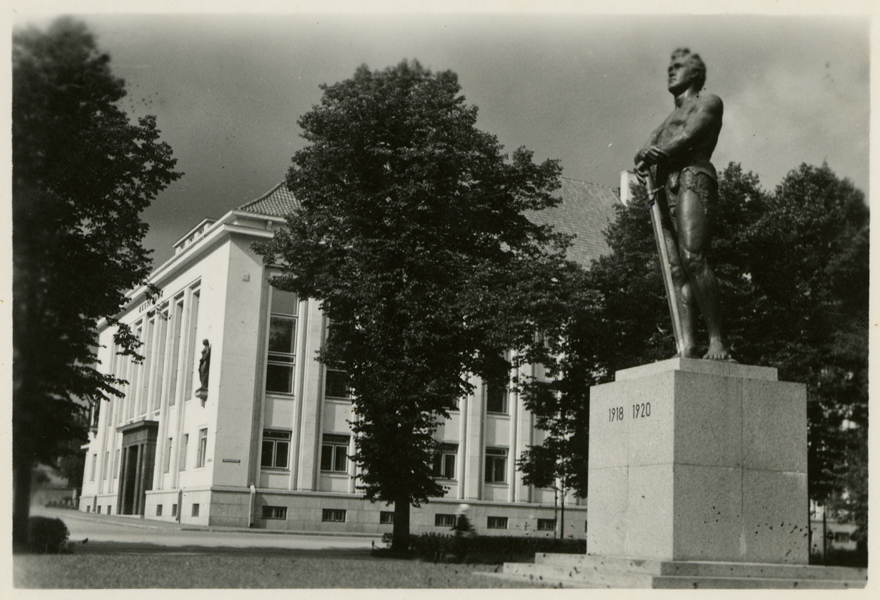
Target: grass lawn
243,570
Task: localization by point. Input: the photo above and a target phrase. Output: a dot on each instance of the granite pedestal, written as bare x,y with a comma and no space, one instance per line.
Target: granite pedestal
698,479
694,460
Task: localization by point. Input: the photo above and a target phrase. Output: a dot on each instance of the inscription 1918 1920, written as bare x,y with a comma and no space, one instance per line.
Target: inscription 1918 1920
639,411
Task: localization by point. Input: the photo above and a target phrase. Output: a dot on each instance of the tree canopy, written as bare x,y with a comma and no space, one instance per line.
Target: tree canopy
82,173
412,236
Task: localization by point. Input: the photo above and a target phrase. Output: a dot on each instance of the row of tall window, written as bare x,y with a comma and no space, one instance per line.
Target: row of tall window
281,357
276,446
169,337
201,453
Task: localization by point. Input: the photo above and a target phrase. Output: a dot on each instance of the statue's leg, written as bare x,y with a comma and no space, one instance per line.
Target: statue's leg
694,237
683,294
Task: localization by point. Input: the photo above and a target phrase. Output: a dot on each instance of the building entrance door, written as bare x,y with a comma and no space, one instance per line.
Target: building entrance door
138,460
129,480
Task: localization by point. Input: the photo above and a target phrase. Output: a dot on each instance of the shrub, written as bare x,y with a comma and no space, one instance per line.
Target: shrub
47,535
486,548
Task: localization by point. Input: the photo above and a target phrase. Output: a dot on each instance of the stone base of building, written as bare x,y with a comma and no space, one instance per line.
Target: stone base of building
340,513
695,460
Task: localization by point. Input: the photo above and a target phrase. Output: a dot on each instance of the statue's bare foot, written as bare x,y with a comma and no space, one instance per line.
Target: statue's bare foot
717,351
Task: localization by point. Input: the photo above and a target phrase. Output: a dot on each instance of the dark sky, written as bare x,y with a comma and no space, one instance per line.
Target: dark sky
227,90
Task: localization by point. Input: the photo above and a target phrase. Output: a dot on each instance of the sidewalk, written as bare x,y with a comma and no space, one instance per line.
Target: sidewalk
141,523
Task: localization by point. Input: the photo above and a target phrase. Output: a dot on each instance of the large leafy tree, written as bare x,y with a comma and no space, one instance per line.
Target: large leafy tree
813,323
412,236
794,271
82,173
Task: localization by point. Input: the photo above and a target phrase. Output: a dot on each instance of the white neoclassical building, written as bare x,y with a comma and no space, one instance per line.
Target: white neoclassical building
267,446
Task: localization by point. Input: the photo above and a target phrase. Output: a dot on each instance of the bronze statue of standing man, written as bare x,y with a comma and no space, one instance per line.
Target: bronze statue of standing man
678,153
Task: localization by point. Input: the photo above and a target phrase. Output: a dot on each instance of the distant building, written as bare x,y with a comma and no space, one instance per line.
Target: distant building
827,534
267,446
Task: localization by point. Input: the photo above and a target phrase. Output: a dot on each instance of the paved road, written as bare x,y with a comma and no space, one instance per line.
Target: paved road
123,534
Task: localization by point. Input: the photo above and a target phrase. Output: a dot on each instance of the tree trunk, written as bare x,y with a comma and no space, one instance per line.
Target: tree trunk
21,498
400,534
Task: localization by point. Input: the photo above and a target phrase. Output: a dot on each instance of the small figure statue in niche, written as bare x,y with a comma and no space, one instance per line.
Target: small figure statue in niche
204,369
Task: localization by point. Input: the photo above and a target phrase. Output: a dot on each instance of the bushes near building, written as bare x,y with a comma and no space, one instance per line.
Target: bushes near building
47,535
492,549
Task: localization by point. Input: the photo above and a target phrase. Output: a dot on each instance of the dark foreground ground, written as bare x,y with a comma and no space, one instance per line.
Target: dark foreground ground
123,554
234,570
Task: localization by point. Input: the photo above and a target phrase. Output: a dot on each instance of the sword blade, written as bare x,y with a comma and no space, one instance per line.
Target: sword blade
665,267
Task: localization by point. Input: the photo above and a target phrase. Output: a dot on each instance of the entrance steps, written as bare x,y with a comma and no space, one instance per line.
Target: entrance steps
590,571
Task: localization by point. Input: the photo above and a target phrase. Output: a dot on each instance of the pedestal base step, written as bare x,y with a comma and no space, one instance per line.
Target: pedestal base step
575,570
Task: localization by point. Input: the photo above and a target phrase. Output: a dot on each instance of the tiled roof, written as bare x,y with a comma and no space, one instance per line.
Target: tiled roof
585,211
277,202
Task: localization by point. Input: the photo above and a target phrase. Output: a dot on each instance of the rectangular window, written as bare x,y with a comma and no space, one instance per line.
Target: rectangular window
105,466
334,453
108,419
444,461
195,510
134,383
444,520
159,360
184,448
166,459
496,465
841,536
88,509
337,384
282,342
146,367
116,465
94,466
276,449
192,363
173,510
275,512
109,509
158,510
99,509
497,523
203,447
496,399
333,515
176,340
126,368
386,517
546,524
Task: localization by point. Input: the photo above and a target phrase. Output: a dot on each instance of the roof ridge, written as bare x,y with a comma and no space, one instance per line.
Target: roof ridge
599,185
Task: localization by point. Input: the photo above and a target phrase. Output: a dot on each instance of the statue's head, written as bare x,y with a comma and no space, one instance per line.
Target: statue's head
693,71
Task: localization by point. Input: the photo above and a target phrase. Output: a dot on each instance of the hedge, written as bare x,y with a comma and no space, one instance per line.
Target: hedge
433,545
